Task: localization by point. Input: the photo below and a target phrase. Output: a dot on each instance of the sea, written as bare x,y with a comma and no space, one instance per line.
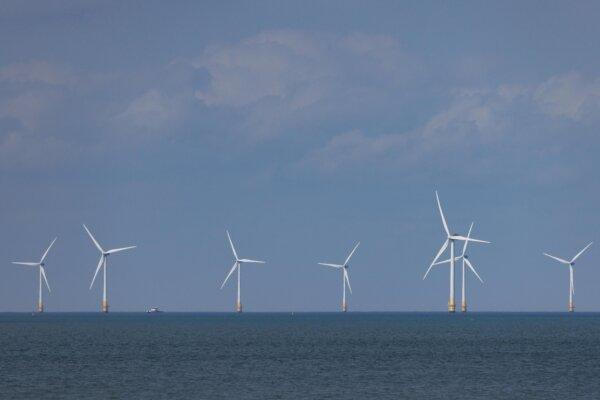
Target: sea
300,356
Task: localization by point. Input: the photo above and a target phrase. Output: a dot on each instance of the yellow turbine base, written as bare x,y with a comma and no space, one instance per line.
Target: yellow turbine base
451,307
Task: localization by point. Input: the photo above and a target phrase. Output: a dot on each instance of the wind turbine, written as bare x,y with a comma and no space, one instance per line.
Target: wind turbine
102,263
450,239
42,275
465,263
237,265
570,264
345,278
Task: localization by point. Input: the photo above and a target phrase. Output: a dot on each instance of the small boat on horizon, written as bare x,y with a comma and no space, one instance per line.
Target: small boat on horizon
153,310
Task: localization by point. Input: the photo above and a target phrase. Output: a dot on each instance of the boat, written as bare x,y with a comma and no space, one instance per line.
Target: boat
153,310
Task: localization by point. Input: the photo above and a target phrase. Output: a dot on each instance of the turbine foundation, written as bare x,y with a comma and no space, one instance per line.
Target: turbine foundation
104,306
451,307
463,307
238,307
571,307
344,307
40,307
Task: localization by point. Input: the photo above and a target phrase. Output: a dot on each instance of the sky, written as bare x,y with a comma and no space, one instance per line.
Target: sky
303,128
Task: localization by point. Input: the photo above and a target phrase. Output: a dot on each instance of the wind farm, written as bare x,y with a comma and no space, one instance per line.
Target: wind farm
450,240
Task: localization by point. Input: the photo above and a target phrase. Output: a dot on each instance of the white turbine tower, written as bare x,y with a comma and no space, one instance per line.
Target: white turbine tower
102,263
571,282
237,265
42,275
465,264
345,278
450,239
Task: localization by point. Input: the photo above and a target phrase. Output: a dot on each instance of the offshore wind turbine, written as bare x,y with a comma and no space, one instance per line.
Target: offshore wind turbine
450,239
571,280
42,275
237,265
465,264
102,264
345,278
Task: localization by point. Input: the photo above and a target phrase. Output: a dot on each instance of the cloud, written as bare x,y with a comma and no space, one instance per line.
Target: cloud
471,116
268,65
354,147
569,96
480,132
329,102
279,78
35,72
37,102
151,111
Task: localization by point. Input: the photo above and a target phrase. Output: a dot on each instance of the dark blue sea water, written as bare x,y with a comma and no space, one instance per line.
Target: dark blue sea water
301,356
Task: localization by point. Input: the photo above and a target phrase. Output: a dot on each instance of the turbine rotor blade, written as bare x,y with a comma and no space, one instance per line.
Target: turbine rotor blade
442,249
581,252
231,244
113,251
331,265
245,260
447,261
47,250
45,278
442,214
347,279
235,264
351,253
93,239
557,259
467,241
97,269
29,264
473,269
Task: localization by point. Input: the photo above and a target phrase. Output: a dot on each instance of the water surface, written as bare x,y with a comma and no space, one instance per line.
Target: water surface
300,356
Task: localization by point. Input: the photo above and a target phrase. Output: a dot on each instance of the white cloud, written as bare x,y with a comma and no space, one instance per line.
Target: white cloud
274,77
473,121
354,147
35,72
569,96
151,111
29,107
274,64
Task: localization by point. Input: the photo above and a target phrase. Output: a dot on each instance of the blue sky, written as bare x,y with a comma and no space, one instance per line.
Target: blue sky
302,128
